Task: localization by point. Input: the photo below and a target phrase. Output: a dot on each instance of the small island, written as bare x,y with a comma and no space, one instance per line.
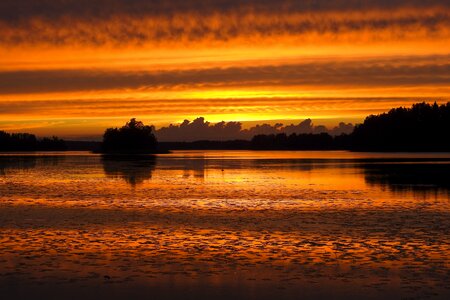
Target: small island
134,138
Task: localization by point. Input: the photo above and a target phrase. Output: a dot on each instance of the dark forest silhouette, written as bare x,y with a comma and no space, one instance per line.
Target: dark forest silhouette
423,127
132,138
29,142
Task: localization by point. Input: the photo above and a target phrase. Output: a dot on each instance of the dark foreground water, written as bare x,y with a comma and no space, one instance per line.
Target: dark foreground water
225,225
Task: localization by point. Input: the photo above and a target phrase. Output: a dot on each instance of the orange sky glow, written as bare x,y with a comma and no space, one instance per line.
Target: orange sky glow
72,68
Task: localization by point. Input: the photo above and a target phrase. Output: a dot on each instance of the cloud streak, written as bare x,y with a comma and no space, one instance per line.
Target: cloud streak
372,73
176,108
98,23
13,10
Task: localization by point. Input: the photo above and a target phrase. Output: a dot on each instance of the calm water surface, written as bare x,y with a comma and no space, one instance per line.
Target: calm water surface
225,224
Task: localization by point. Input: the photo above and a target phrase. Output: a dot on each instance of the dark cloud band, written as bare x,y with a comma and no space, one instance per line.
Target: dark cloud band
137,22
413,71
13,10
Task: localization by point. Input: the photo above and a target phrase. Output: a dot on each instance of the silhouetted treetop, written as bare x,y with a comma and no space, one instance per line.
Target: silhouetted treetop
51,144
133,137
29,142
423,127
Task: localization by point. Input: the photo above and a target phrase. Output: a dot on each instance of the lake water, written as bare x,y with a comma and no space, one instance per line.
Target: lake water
225,224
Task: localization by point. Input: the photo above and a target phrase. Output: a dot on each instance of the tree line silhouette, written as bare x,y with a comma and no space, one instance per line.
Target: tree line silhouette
282,141
423,127
29,142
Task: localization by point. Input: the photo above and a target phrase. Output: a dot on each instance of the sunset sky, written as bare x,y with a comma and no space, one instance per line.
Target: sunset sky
74,67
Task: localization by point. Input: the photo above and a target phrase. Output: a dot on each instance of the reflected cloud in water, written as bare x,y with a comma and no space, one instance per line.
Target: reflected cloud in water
396,175
198,166
195,168
132,169
190,167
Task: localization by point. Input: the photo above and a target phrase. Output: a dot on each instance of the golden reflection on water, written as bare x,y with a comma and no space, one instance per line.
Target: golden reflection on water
363,224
